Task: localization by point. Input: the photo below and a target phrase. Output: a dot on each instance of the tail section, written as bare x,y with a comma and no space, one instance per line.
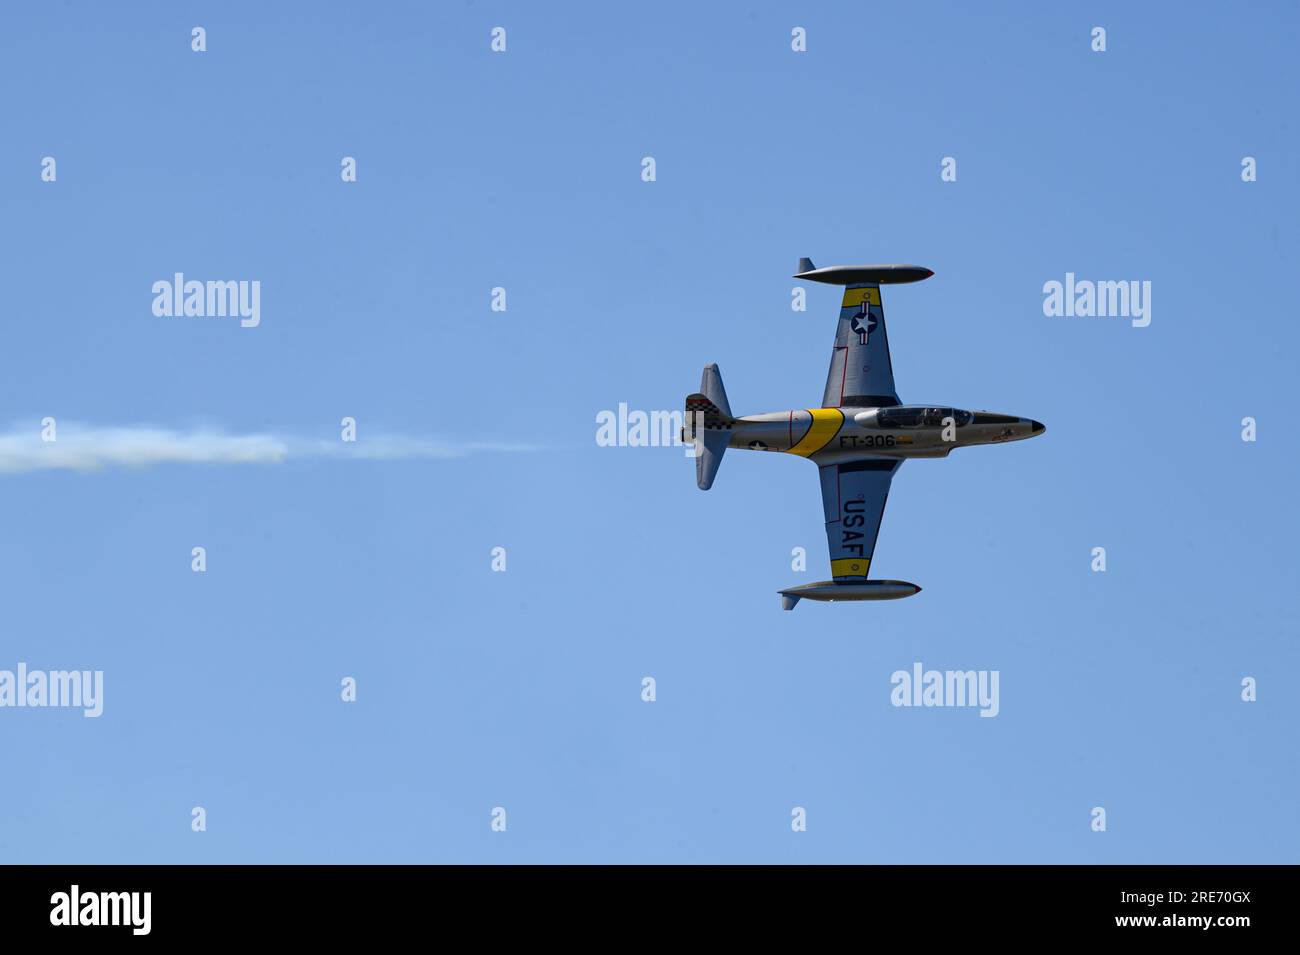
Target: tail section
708,423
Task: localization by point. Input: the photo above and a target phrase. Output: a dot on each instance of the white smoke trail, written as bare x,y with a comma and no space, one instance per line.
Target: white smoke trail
91,448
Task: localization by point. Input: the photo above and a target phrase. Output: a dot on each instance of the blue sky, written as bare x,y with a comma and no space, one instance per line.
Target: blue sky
522,689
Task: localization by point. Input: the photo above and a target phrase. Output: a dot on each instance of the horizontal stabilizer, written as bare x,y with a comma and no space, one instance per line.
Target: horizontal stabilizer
711,388
708,423
709,448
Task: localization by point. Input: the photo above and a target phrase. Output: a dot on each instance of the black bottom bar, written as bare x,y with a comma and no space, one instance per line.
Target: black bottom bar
334,904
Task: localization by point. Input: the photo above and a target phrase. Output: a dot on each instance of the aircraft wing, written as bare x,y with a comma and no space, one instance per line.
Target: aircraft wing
853,498
860,372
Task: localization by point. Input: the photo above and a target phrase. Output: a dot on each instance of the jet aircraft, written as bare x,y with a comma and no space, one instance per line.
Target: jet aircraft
858,437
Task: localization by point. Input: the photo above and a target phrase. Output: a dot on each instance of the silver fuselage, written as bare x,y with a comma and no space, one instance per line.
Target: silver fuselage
827,435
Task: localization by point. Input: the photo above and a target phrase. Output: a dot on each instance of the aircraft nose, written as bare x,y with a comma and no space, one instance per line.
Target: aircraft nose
1037,427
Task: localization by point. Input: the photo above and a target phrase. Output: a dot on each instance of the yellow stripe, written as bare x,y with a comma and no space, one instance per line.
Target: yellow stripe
856,296
850,567
825,423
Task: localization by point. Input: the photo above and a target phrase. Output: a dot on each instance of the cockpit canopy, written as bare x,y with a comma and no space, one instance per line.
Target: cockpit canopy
903,417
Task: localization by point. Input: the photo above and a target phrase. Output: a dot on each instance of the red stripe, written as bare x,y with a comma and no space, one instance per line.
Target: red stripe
844,376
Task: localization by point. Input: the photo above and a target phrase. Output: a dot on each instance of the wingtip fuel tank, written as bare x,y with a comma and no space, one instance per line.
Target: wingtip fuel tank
856,274
832,590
